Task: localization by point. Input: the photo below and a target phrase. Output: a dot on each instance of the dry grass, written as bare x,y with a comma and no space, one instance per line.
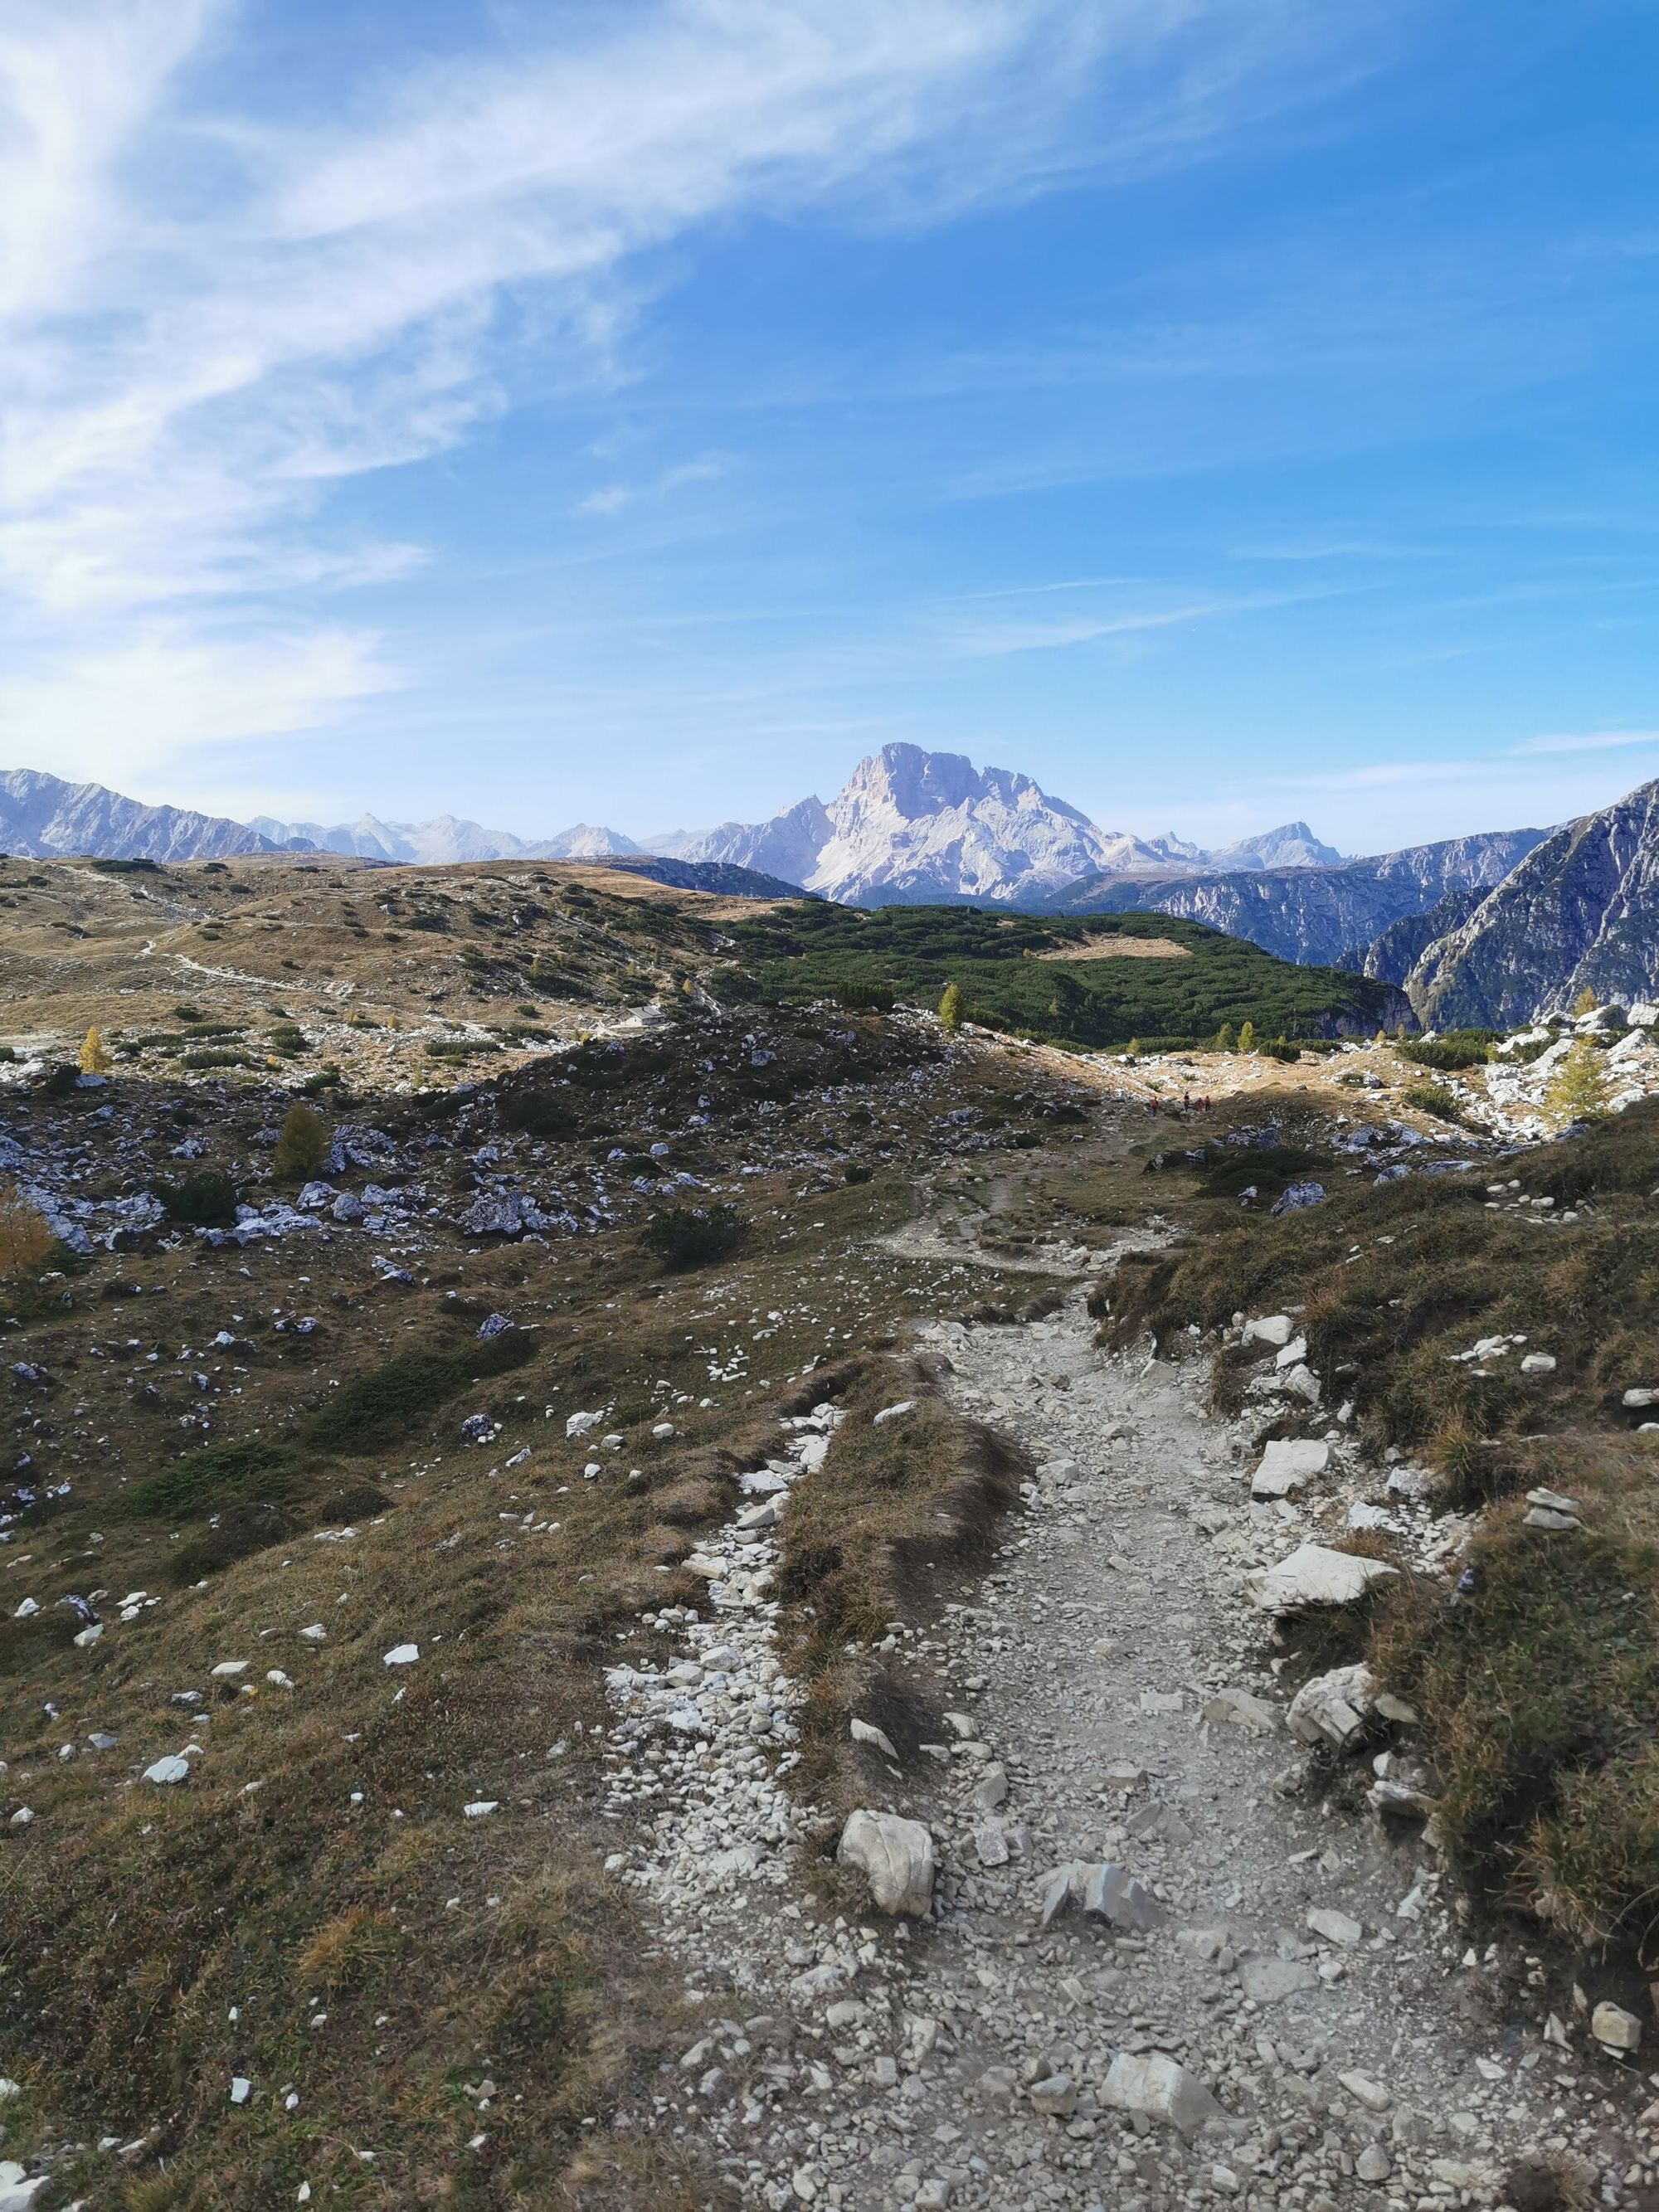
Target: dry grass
26,1243
897,1506
319,1859
1125,948
1540,1686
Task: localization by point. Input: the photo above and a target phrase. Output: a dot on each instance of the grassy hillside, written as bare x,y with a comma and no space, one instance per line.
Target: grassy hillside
1101,979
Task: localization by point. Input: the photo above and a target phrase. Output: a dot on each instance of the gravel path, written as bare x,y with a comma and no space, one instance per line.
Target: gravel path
1304,1971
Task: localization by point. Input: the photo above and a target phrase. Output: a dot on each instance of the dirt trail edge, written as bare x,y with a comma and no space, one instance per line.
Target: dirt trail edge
1270,2003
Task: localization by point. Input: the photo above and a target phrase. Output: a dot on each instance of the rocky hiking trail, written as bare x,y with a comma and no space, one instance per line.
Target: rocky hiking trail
1156,1970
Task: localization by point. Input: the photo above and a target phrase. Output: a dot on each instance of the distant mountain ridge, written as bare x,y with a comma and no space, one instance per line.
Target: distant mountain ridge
445,838
908,826
1491,928
1325,916
46,818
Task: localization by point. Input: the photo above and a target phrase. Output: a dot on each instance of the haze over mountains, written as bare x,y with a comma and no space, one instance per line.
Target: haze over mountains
1488,930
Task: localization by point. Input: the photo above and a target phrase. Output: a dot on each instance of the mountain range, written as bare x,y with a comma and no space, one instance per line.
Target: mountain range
445,838
913,827
1488,930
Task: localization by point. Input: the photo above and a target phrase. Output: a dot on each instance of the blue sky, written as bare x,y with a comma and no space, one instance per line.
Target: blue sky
1223,409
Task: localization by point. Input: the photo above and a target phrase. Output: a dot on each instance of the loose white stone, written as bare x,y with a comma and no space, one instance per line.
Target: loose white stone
1287,1463
1161,2088
896,1856
1335,1927
1615,2028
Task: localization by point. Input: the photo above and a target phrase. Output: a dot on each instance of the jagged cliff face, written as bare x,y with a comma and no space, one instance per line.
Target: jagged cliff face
1309,915
1391,957
1456,864
1580,912
46,818
909,826
1326,916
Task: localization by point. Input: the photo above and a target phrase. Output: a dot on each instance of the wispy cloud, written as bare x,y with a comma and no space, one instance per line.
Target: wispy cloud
1590,741
613,498
211,320
1085,628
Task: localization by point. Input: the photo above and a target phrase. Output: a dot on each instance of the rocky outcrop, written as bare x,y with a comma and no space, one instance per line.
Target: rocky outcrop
1580,913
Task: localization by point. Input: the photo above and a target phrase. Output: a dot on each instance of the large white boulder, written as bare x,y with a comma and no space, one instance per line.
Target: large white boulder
1287,1463
1315,1575
1161,2088
1269,1329
895,1856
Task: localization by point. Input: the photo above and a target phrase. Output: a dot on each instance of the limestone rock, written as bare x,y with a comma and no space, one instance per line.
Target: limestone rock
877,1739
1159,2087
1339,1928
1333,1708
1112,1894
1315,1575
1243,1710
1267,1981
1269,1328
1287,1463
897,1858
1615,2028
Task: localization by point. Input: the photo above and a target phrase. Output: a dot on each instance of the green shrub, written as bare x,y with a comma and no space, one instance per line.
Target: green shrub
206,1200
362,1414
859,995
216,1476
1268,1169
1433,1098
1456,1049
694,1237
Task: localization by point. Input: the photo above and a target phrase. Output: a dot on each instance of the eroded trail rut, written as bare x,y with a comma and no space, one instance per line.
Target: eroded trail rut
1364,2056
